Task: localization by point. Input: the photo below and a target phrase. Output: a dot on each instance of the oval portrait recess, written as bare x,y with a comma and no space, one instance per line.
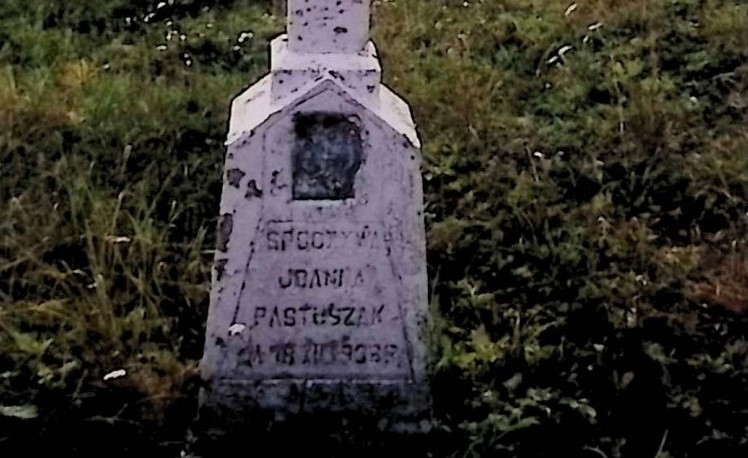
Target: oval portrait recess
327,153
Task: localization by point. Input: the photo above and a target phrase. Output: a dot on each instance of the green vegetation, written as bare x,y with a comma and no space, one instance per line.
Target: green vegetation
586,174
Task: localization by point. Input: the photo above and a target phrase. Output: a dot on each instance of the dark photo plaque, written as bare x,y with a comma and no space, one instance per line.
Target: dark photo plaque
326,155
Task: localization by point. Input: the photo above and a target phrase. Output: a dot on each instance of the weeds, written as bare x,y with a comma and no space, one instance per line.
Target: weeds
586,185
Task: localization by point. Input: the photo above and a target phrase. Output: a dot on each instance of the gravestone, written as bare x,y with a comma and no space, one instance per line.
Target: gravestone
319,289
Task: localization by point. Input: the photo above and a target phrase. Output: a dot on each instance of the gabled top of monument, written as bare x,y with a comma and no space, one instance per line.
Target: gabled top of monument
254,107
328,26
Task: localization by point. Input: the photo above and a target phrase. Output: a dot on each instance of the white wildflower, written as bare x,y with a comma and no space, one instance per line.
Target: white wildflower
119,373
570,9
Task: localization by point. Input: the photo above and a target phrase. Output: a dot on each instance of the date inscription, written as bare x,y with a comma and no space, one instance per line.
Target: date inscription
343,352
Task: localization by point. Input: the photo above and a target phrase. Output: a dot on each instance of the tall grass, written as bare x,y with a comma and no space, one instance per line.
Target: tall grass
586,173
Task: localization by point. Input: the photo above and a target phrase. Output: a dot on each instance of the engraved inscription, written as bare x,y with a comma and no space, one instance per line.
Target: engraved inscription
321,278
331,315
299,237
324,302
341,352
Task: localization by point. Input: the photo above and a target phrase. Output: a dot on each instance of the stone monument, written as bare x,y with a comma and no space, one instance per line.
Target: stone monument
319,288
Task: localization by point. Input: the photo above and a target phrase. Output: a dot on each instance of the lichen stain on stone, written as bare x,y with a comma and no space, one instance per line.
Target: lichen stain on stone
252,190
337,75
220,266
225,227
234,177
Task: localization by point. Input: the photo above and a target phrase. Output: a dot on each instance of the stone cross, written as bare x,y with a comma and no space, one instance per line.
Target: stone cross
319,290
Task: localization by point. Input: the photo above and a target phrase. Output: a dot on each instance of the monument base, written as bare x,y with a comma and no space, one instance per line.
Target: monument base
387,406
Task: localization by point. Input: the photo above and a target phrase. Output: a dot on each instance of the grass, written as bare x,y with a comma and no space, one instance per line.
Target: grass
586,174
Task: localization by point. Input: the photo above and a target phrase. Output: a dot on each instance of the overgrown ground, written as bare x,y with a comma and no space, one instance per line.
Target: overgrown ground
586,174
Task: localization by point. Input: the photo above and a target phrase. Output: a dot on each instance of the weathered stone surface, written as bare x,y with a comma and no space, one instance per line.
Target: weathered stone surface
291,72
328,26
319,294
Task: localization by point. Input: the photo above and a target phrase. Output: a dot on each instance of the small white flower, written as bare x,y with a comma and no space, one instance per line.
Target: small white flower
570,9
115,374
244,36
117,240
